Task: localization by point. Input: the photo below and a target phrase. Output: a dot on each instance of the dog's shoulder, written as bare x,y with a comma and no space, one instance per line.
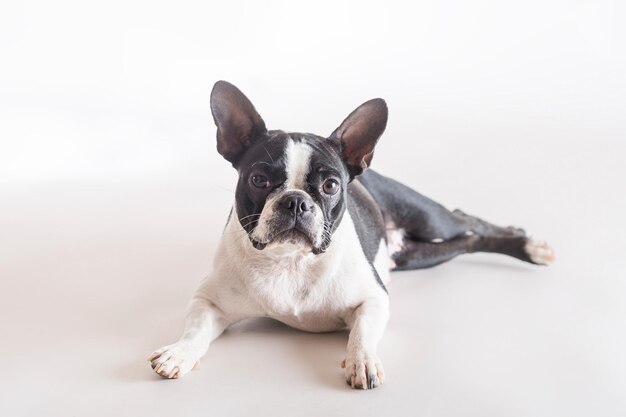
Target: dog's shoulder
367,217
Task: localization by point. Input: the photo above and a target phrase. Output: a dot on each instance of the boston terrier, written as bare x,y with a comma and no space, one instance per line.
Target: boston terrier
313,234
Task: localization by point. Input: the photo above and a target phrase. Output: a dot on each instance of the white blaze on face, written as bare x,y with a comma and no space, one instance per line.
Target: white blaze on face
297,157
297,164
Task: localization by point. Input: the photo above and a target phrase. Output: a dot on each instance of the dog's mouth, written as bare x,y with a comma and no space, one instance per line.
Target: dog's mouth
294,235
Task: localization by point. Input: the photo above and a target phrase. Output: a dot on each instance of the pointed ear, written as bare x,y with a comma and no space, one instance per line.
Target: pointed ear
238,123
359,133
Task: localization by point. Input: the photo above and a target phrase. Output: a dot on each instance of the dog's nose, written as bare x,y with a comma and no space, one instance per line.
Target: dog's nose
296,204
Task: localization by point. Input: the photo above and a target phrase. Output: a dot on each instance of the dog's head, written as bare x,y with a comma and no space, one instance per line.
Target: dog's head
292,186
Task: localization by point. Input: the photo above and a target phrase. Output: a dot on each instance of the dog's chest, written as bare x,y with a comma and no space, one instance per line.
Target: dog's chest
291,284
297,290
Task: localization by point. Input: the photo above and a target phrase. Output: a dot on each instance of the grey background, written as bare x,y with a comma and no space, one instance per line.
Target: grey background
112,200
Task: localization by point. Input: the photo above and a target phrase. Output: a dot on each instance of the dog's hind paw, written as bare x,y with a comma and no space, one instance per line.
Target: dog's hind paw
539,252
363,371
174,361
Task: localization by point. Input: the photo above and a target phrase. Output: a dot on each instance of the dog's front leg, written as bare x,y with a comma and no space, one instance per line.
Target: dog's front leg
367,324
204,323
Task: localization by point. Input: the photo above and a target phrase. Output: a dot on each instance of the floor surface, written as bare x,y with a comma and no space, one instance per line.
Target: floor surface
96,275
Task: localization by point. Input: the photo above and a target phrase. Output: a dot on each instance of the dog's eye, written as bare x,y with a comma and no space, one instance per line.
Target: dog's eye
330,186
260,181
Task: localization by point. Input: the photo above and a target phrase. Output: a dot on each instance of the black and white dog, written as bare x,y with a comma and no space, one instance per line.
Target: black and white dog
323,232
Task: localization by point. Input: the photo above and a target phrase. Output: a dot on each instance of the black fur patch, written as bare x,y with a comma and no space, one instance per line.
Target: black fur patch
368,221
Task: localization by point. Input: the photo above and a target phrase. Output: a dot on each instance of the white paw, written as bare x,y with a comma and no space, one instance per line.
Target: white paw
363,371
174,361
539,251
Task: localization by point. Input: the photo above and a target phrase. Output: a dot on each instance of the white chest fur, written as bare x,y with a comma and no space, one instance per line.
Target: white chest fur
289,283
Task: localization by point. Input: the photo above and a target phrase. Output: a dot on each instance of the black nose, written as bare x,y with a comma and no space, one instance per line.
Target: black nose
295,203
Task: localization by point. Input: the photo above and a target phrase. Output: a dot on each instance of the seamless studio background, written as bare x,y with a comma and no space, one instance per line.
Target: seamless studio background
113,198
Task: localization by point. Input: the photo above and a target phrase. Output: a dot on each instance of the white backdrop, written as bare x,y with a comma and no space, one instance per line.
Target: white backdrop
112,198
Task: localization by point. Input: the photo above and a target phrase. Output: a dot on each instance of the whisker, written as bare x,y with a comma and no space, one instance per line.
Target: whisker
268,154
249,223
225,189
243,230
233,232
251,215
242,236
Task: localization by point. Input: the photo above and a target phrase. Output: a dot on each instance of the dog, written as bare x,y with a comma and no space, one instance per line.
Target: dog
313,234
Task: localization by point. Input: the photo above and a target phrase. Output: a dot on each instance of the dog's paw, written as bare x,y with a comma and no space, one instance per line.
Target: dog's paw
174,361
539,252
363,371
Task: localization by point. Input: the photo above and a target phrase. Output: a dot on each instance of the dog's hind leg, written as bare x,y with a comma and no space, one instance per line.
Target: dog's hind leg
427,234
413,254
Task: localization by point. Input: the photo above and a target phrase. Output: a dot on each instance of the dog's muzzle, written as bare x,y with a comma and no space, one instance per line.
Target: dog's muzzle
295,219
294,216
